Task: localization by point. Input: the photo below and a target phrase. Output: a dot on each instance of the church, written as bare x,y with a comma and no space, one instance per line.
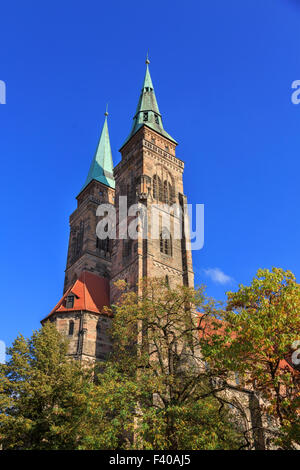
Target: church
151,175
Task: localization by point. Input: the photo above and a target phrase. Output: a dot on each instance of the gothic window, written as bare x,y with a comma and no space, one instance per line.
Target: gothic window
103,244
167,246
166,195
132,189
71,328
166,242
70,301
160,191
157,188
145,117
170,190
77,241
167,281
156,118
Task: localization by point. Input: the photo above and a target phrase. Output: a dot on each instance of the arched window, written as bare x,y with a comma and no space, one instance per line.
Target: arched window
157,188
166,193
160,191
166,242
71,328
170,190
103,244
168,246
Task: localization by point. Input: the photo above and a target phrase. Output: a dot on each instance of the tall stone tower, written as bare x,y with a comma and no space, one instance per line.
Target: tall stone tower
151,174
86,251
79,314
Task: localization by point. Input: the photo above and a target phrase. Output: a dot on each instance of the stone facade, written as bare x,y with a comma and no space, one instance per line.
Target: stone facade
150,174
88,338
85,250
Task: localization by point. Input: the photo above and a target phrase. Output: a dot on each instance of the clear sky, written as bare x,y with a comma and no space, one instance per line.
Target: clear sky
222,72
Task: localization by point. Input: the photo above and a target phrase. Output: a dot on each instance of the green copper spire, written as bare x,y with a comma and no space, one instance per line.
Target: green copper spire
101,168
147,112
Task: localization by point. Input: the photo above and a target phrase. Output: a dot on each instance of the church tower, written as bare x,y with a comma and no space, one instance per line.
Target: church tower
79,313
150,174
86,251
148,182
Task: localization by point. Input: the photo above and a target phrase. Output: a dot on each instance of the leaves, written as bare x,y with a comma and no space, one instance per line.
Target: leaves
169,382
262,321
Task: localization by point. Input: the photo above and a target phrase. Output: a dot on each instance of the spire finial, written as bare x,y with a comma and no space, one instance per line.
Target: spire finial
147,58
106,111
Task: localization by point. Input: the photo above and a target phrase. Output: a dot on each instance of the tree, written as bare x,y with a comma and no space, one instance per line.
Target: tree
44,395
150,394
156,353
253,337
168,383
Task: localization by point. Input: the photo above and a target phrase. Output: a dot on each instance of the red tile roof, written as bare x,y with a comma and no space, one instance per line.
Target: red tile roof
91,293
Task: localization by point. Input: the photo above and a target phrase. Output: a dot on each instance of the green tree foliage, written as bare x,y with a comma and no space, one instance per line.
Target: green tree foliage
149,394
43,394
252,337
166,384
156,350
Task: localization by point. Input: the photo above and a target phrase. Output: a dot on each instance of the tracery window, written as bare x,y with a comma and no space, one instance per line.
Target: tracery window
166,242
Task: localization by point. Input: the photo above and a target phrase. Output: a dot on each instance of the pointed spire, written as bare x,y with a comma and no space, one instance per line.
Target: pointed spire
147,111
101,168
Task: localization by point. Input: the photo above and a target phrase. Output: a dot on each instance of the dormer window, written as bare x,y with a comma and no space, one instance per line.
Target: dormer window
70,301
156,118
145,118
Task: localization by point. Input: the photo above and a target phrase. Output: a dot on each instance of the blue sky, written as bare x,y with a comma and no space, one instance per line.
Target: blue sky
222,73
